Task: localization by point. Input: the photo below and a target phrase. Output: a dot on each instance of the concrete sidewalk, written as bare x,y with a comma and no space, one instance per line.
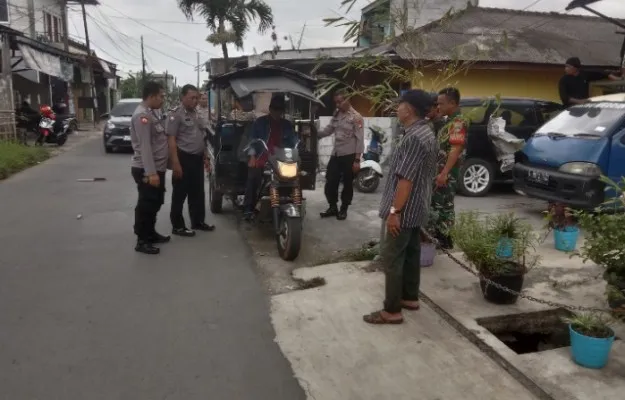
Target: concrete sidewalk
336,356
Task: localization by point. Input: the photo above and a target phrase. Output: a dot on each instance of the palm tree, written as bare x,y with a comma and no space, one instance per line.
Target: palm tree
229,20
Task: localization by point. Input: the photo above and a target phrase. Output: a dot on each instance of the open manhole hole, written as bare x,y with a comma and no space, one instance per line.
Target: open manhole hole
530,332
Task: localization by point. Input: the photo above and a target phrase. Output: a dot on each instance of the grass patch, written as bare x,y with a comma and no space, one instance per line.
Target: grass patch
15,157
303,284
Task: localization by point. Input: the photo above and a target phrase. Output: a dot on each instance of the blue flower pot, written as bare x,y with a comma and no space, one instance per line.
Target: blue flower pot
566,239
504,248
590,352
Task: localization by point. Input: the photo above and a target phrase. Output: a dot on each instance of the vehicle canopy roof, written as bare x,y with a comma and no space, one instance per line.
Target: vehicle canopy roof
272,79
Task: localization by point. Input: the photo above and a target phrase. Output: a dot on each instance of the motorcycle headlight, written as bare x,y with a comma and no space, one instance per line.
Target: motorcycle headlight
110,126
287,170
581,168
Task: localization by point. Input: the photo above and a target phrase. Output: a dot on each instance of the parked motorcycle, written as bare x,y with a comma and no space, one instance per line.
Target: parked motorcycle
280,197
367,179
49,131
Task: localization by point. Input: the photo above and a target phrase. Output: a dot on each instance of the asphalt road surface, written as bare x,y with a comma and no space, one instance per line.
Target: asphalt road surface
82,316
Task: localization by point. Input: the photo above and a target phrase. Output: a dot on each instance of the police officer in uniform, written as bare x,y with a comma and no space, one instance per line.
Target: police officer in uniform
149,164
347,125
189,158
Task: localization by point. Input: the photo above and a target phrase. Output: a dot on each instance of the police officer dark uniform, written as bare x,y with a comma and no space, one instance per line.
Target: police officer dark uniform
189,157
149,164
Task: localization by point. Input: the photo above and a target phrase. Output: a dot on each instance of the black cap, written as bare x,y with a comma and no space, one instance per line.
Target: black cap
420,100
277,102
574,62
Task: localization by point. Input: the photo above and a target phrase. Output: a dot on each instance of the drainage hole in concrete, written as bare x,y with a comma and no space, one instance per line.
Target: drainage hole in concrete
530,332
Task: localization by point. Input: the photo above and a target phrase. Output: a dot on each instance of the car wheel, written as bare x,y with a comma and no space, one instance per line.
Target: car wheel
476,177
108,149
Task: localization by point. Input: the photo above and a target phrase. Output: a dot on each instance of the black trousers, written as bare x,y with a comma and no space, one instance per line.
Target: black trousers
401,257
340,167
252,186
148,204
191,185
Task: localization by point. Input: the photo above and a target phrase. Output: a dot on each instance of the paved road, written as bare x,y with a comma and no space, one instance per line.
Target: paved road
82,316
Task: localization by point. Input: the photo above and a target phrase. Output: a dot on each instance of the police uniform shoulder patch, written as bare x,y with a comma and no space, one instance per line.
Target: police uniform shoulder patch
144,120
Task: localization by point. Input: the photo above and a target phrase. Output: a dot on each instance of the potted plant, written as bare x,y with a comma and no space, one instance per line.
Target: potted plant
428,248
563,222
507,225
479,239
603,244
591,340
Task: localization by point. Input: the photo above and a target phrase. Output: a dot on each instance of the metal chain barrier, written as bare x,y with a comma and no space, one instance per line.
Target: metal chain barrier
508,290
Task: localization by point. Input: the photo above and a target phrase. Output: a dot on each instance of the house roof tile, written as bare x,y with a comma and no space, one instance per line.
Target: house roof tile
501,35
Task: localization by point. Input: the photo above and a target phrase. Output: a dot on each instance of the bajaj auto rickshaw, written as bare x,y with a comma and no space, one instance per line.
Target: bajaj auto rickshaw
563,161
288,170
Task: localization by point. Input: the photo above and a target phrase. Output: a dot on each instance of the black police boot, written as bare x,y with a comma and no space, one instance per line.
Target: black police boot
157,238
332,211
203,227
146,248
184,232
342,214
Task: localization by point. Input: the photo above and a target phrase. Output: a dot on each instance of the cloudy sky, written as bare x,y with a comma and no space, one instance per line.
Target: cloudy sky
172,42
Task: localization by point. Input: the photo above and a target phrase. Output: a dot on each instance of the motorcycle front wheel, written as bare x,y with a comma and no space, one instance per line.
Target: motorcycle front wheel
289,239
367,181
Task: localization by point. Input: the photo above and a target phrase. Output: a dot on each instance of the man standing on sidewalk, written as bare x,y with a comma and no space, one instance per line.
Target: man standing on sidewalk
452,140
347,125
405,206
149,164
189,159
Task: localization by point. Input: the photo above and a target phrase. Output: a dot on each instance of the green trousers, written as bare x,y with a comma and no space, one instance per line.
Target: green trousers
401,256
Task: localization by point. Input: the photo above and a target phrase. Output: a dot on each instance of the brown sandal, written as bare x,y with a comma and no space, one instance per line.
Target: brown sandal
376,318
411,308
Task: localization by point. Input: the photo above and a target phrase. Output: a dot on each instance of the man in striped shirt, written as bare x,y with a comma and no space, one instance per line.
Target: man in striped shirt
405,207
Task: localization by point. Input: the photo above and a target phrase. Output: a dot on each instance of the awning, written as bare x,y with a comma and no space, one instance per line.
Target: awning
276,84
45,63
105,67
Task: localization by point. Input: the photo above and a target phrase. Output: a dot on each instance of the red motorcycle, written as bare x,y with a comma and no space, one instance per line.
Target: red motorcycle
49,131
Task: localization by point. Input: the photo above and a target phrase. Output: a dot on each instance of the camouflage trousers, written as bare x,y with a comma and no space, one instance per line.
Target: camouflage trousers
443,205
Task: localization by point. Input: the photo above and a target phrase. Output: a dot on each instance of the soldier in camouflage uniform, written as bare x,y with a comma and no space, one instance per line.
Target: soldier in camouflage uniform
452,139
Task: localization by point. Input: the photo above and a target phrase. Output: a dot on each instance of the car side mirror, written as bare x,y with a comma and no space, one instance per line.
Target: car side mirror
105,116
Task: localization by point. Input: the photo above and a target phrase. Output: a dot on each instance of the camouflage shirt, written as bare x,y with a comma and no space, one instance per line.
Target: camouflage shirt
453,133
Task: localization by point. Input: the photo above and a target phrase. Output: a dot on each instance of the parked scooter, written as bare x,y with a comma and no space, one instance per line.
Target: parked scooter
49,132
367,179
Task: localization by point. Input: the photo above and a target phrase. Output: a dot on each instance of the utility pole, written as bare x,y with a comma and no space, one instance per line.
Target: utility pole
198,69
142,64
90,60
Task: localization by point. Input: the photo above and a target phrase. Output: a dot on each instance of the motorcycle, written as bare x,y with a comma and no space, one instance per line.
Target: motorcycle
280,197
49,130
367,179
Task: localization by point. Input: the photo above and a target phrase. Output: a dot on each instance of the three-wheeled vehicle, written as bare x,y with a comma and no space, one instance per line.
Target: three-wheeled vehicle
287,172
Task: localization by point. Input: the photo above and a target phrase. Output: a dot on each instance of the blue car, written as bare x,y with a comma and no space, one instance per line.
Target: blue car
563,161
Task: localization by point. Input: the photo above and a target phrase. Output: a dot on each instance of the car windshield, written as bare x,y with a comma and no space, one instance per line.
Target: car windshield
592,119
124,109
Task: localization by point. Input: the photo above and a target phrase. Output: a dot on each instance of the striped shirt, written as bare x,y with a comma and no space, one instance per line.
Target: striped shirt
413,160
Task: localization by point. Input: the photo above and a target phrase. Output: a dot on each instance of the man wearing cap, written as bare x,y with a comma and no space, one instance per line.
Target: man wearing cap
347,125
405,207
189,158
573,86
276,132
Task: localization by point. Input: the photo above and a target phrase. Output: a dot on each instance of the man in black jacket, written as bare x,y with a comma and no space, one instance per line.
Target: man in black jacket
573,85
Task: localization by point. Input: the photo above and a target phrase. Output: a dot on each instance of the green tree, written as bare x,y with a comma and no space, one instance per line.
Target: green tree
229,20
131,87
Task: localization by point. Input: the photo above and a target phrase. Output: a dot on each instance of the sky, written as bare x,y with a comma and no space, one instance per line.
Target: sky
172,43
